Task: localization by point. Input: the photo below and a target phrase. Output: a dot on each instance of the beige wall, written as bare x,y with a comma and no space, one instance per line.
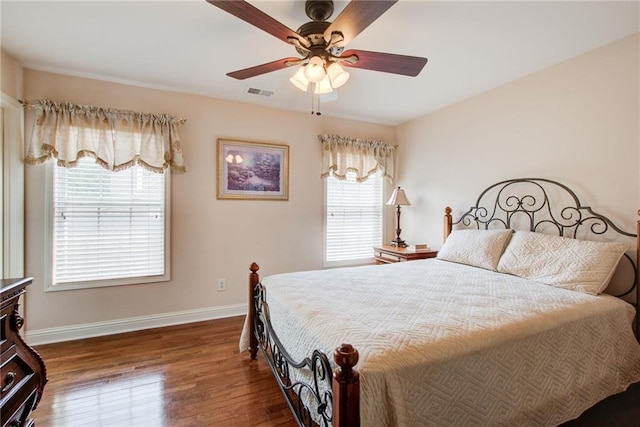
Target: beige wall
576,122
10,76
211,238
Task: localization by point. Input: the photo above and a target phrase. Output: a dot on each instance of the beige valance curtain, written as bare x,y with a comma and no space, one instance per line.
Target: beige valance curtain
118,139
343,154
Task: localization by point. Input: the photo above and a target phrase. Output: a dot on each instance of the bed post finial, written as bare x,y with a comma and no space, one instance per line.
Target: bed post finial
254,268
254,279
448,222
346,388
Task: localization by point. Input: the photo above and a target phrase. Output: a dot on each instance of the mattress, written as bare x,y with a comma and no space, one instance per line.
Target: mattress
446,344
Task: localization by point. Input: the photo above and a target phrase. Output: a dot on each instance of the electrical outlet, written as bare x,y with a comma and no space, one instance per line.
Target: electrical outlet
222,285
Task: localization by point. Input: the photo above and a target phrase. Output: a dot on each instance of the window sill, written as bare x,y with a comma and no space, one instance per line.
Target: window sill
105,283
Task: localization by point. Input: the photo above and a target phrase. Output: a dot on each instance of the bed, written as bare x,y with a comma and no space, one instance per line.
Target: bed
526,317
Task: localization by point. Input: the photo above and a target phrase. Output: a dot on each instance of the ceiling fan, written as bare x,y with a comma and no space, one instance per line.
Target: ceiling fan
321,43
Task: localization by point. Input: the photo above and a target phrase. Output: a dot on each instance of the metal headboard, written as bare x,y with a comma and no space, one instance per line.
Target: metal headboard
546,206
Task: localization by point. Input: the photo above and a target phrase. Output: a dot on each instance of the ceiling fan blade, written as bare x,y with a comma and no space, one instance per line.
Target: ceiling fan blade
264,68
357,16
386,62
256,17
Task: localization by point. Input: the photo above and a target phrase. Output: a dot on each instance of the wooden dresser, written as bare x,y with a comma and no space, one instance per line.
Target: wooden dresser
22,371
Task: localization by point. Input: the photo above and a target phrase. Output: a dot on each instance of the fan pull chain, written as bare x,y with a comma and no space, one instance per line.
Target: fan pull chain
315,99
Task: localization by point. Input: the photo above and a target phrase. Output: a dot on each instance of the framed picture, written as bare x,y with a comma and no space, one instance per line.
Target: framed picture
252,170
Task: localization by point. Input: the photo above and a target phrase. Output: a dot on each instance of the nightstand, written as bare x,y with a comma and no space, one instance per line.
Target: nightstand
387,254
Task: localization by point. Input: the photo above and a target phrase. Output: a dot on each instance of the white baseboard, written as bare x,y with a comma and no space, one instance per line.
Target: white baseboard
89,330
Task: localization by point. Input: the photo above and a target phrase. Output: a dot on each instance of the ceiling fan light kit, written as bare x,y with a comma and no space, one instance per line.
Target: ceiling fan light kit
321,43
326,79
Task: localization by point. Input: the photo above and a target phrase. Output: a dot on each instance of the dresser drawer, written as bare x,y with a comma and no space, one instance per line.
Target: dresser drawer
19,416
14,373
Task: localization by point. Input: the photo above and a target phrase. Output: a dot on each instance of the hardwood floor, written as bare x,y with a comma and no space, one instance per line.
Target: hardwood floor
190,375
182,375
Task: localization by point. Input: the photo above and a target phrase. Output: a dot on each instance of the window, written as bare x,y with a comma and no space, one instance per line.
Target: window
108,219
109,228
353,219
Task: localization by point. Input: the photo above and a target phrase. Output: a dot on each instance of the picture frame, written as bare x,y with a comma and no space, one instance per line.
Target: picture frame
252,170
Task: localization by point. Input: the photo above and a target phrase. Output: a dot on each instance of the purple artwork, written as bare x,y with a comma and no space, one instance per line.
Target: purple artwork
253,170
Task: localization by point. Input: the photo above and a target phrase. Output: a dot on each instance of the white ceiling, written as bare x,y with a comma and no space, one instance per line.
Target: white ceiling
189,46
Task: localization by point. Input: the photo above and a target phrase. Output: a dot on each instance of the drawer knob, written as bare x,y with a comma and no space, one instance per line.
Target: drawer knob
9,379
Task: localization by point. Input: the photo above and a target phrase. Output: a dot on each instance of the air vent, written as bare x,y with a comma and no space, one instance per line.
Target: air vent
256,91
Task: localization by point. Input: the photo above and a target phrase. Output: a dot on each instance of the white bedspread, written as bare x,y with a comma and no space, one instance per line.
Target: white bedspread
451,345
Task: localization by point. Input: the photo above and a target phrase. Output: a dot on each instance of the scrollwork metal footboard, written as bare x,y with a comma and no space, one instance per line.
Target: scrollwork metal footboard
310,386
304,395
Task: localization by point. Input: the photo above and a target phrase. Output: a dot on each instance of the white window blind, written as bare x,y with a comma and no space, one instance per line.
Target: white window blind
107,225
353,218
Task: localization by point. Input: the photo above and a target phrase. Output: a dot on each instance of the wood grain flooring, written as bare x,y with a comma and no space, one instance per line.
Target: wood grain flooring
193,375
182,375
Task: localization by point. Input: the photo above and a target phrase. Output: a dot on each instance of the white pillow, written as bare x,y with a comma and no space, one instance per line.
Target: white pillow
478,248
579,265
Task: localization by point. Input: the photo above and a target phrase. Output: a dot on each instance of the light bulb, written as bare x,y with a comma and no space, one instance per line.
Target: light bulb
299,80
337,75
314,71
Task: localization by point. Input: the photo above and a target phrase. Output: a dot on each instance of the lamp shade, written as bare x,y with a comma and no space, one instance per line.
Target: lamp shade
299,80
398,198
323,86
337,75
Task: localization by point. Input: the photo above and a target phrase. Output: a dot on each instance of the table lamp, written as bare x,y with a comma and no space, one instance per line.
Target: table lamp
398,198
